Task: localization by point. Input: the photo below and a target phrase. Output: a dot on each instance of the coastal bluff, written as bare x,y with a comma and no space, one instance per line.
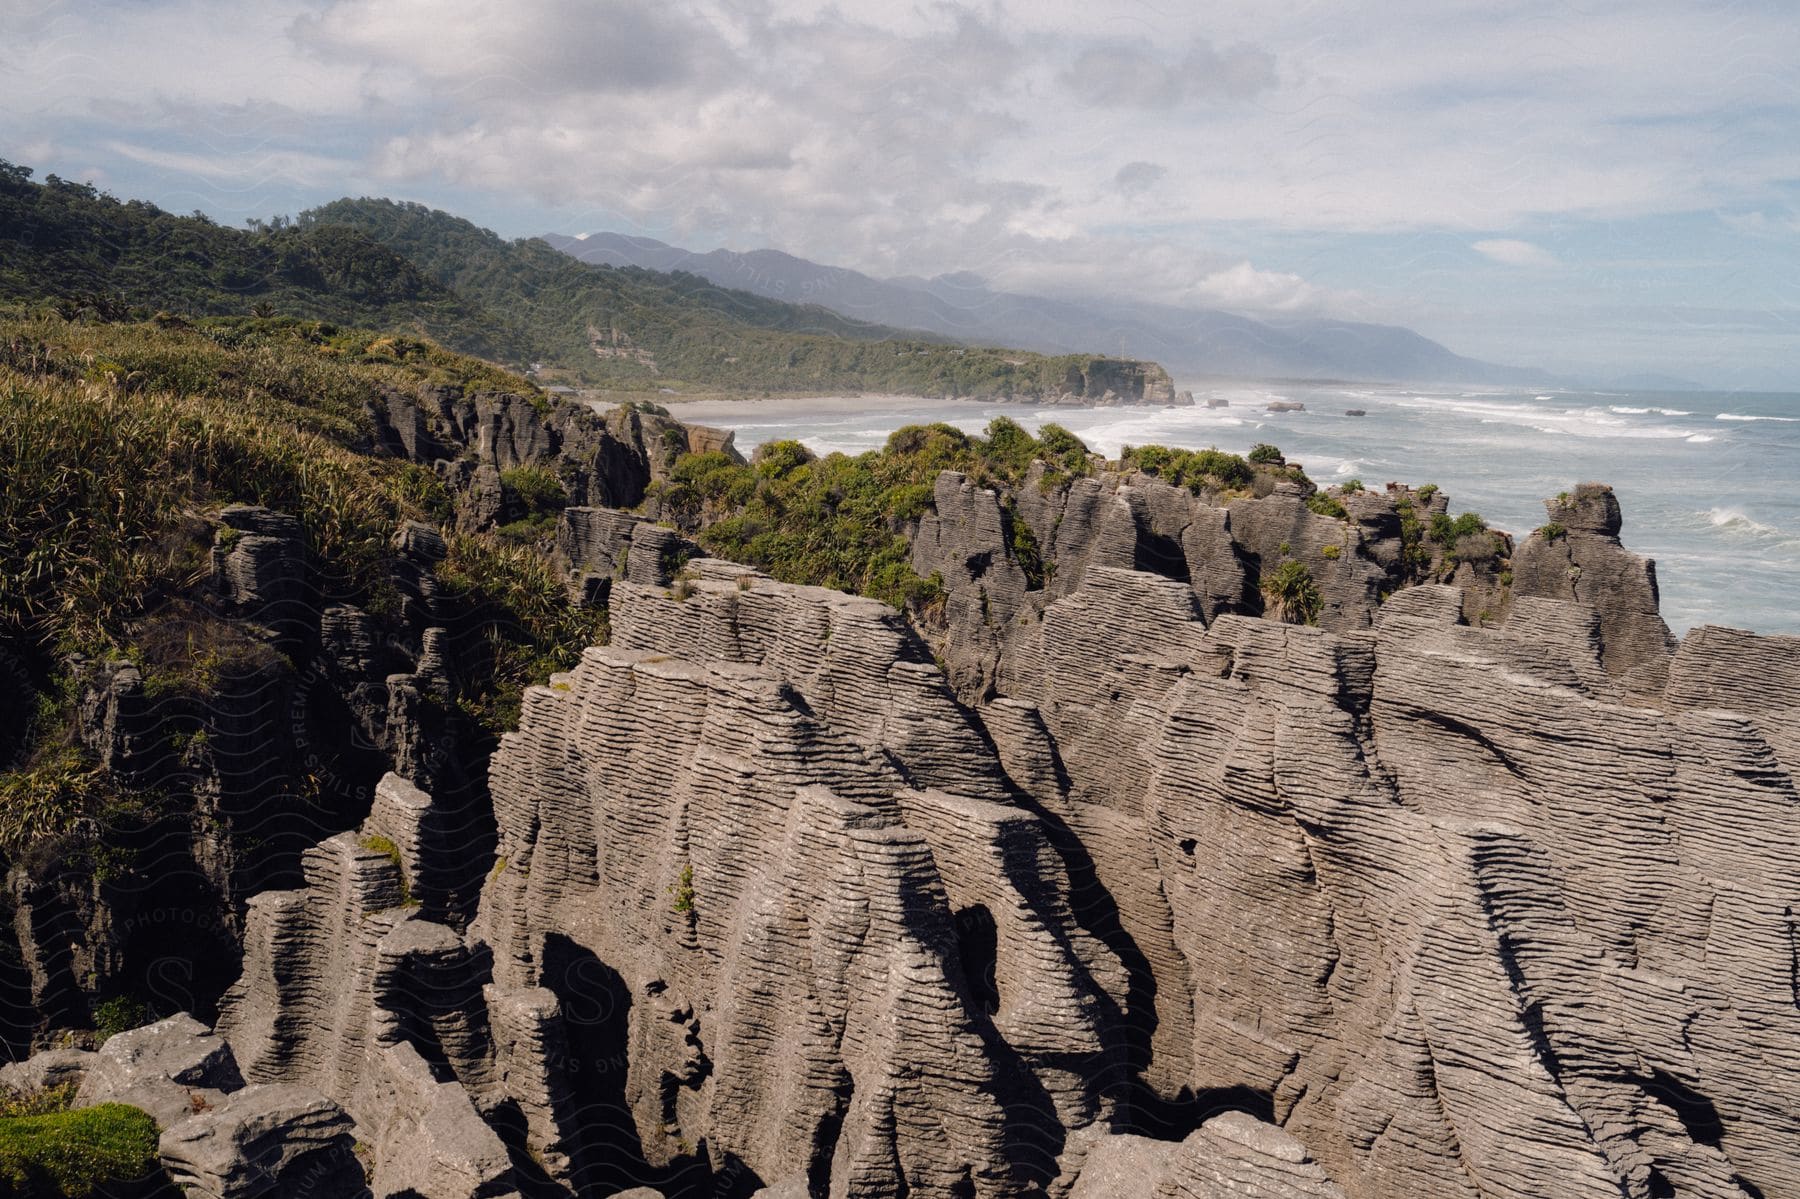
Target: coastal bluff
1110,884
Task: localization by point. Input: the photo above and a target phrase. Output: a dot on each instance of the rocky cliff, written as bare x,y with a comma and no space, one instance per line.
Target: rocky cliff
258,710
1103,882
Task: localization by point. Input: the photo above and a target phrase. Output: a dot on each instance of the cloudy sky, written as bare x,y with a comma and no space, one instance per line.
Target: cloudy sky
1594,186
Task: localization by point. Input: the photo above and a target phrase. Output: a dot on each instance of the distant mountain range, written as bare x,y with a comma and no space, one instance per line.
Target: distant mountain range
1190,342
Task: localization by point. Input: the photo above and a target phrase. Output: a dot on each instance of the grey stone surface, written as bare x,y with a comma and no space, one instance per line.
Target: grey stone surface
810,995
605,544
272,1140
166,1068
1587,564
1490,912
432,1143
51,1068
1231,1156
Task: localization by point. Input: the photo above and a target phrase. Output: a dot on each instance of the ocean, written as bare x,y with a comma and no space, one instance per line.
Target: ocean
1709,481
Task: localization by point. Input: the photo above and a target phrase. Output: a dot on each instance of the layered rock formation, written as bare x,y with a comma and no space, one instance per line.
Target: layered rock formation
1450,905
1174,900
263,705
1222,552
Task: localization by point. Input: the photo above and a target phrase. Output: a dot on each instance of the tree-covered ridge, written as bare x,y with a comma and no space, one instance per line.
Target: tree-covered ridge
633,328
77,249
403,267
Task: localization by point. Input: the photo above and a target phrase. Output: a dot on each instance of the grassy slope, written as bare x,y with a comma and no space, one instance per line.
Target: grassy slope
66,243
679,328
120,438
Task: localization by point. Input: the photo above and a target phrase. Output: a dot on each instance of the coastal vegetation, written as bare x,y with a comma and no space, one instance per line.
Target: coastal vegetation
124,438
1291,594
842,521
1198,470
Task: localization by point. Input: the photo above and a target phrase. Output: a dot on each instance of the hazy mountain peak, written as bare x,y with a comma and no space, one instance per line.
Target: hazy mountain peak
1189,341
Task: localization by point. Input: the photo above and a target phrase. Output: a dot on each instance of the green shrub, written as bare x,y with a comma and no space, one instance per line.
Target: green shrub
518,623
1023,543
1352,486
1331,553
77,1154
1291,594
1062,450
1412,535
1197,470
536,488
530,531
775,459
121,1013
98,478
106,489
841,521
40,1102
1552,531
1447,531
61,786
1264,454
683,891
1325,504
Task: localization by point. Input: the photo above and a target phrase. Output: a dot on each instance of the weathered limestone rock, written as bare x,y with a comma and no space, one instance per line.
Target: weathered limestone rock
263,1141
599,545
348,990
166,1068
818,979
704,439
1348,584
41,1071
968,540
1586,563
1231,1156
1440,910
432,1143
259,568
601,459
116,720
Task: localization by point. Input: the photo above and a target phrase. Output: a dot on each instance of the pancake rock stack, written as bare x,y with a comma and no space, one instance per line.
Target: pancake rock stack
1141,894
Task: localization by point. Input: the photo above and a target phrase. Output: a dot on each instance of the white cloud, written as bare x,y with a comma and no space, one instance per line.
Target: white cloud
1762,224
1139,176
1133,75
242,169
1244,288
1510,252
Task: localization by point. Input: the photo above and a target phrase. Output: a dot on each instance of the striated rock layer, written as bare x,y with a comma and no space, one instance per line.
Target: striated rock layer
1427,909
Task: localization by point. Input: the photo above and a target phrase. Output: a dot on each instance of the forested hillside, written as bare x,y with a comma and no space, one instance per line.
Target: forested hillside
406,268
